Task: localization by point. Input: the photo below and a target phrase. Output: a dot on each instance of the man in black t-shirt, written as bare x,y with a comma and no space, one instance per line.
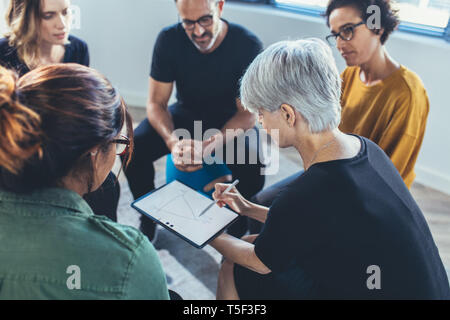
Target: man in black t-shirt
205,56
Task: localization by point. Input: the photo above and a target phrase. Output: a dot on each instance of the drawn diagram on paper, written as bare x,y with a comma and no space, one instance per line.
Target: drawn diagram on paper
178,207
179,201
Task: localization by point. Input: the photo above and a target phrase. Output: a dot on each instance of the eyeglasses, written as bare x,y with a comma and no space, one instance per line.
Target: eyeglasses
347,32
122,145
204,21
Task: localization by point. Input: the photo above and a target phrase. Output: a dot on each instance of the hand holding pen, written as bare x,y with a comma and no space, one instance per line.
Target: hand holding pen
229,187
227,194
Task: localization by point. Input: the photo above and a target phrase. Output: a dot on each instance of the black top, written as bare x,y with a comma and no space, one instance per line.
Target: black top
341,217
207,84
76,52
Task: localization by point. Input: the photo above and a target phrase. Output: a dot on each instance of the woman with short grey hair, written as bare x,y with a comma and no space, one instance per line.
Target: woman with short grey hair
304,79
343,227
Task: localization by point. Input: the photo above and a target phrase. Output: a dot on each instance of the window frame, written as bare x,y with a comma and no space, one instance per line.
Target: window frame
404,26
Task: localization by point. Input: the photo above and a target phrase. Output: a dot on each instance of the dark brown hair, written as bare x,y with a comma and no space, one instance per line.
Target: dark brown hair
50,119
389,17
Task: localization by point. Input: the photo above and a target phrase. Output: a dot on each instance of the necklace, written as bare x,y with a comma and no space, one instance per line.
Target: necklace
321,149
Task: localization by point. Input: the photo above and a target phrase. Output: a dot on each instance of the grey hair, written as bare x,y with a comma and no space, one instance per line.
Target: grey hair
302,74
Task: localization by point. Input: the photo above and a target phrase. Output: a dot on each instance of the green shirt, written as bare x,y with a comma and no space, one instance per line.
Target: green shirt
53,247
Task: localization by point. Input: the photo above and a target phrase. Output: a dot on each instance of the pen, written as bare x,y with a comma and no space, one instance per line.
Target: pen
231,186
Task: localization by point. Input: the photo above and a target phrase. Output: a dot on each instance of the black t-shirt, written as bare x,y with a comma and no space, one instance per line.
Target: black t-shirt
207,84
341,217
76,52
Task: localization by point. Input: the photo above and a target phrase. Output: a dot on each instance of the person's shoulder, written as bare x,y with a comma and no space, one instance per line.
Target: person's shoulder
349,73
243,34
77,51
409,90
77,42
371,147
306,187
171,31
4,43
169,36
331,176
410,81
5,48
126,236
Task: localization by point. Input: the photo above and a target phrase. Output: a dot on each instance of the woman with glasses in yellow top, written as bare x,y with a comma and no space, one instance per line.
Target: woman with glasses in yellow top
381,99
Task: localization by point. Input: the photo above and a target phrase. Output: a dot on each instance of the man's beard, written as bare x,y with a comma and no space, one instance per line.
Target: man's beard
212,42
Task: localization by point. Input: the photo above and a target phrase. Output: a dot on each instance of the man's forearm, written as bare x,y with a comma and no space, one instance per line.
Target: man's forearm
161,120
239,123
241,120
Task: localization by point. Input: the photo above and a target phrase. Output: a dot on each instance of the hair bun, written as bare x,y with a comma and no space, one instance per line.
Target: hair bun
19,126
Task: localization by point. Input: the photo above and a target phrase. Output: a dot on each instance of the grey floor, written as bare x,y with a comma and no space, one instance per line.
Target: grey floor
193,273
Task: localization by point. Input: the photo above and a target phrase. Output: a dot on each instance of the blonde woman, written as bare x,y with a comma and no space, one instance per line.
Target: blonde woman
39,35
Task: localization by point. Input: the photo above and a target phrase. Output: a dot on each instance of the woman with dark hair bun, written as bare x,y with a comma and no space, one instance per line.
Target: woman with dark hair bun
39,35
60,128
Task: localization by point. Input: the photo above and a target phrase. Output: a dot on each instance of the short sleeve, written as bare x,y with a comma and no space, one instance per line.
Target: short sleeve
163,64
146,278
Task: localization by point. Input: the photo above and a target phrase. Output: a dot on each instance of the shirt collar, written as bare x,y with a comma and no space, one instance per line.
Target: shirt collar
40,200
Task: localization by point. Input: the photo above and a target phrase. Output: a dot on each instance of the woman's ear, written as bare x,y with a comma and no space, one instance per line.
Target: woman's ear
288,114
379,32
94,151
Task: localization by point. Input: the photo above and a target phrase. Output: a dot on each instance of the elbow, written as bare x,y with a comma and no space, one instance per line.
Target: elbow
153,109
256,265
264,271
150,109
260,269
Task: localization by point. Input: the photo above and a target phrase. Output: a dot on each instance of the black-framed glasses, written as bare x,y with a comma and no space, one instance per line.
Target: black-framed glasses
347,32
204,21
122,145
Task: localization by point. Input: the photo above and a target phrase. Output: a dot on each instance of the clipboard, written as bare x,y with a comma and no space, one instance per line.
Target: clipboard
176,207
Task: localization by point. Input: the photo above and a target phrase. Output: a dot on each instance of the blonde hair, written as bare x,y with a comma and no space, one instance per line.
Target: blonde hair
23,19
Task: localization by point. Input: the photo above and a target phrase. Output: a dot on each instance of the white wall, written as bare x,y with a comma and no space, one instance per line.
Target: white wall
3,7
121,35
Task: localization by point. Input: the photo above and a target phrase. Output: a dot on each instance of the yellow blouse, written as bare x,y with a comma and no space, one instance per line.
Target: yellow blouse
392,113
